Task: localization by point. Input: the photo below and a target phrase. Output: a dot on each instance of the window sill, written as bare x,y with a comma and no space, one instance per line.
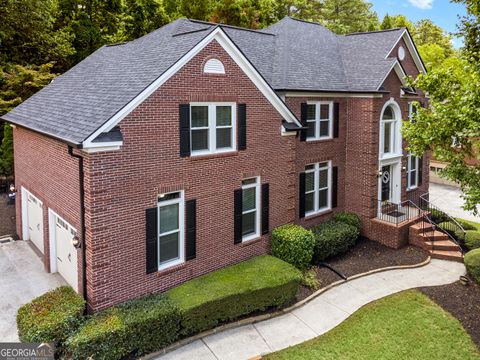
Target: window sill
321,140
214,155
251,241
412,189
318,214
172,268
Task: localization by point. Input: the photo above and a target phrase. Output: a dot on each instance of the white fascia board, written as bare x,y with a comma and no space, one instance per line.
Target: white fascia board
219,35
330,94
398,70
411,48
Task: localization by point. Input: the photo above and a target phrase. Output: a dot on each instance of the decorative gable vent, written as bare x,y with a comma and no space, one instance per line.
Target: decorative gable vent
214,66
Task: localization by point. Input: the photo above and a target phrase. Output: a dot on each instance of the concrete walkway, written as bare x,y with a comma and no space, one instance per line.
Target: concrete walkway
316,317
22,278
448,198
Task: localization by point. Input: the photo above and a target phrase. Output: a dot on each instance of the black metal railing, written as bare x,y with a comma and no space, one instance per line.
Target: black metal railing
439,220
396,213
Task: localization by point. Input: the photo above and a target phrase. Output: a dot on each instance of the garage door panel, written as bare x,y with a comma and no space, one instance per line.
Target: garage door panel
66,253
35,221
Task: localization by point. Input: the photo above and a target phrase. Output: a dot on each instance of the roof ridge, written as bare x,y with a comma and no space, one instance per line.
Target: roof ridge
262,32
308,22
375,31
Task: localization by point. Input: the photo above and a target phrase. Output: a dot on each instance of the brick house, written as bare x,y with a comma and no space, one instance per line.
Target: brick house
176,154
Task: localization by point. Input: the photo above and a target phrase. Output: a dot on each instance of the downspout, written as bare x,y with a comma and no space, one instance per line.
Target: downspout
83,245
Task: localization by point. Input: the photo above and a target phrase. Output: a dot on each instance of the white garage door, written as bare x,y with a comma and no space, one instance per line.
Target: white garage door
65,252
35,221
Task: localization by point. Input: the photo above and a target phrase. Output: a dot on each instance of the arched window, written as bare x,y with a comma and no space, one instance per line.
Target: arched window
389,131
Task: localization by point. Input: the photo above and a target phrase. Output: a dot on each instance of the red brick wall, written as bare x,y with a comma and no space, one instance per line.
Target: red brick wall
308,152
44,167
123,184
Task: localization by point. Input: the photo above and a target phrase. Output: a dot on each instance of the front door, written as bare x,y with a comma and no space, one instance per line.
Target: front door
386,183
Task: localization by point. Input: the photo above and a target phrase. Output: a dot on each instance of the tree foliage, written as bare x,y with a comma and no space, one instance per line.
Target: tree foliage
39,38
450,126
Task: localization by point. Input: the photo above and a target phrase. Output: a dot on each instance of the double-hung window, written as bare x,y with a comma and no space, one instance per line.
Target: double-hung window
170,229
212,127
318,187
319,120
250,208
412,171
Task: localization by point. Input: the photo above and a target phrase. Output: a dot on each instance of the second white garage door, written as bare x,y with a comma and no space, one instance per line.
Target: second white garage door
65,253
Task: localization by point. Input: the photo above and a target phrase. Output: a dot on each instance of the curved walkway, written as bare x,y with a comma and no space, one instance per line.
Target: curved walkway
316,317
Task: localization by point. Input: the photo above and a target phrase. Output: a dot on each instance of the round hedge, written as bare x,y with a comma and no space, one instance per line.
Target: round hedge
294,245
472,239
51,317
472,263
349,218
333,238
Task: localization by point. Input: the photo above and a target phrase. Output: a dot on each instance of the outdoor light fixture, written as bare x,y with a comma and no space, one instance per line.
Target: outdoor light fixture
76,241
464,280
12,188
161,196
404,168
380,173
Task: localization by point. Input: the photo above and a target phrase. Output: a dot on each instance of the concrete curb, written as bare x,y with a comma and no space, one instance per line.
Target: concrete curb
256,319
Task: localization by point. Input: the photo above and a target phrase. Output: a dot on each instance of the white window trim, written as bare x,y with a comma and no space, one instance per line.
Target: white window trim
318,120
255,185
212,133
410,170
181,230
396,139
316,188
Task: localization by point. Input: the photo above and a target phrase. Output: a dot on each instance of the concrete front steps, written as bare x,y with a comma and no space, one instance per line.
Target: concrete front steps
436,242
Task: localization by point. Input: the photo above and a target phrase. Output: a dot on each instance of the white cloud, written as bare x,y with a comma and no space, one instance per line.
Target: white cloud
422,4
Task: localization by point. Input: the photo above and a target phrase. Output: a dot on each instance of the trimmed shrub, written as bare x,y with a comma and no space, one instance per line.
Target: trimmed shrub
454,230
438,216
253,285
349,218
136,327
293,244
467,225
51,317
472,263
333,238
472,239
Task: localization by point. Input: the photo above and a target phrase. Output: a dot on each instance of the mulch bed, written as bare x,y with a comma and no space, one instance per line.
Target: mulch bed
7,216
366,255
461,301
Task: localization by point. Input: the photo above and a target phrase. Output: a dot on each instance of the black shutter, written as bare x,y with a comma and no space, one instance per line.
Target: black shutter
420,170
242,126
301,195
191,229
152,240
184,113
336,119
334,186
265,208
303,119
237,216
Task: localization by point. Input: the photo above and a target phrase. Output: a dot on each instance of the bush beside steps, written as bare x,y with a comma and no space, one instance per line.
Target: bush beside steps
472,263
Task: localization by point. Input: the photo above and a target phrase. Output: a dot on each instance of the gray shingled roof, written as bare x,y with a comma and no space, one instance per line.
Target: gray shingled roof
290,55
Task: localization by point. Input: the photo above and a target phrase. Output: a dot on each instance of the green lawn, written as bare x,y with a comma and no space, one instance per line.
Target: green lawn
473,223
407,325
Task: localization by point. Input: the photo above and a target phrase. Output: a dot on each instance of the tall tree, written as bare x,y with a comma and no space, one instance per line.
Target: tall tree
17,83
470,28
450,126
347,16
141,17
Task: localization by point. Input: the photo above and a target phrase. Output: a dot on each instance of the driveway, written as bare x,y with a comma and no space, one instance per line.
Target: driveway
22,278
448,198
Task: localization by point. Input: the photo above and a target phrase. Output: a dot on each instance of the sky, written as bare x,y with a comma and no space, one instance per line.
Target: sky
441,12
